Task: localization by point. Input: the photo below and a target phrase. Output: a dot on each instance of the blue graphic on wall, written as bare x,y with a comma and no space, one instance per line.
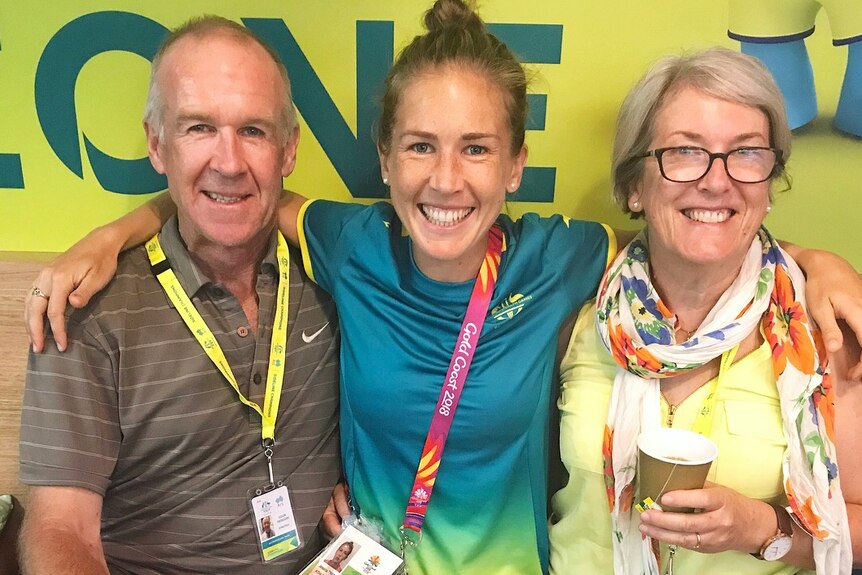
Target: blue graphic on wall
352,151
775,30
11,175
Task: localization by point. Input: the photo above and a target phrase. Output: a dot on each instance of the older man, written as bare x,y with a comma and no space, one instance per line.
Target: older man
157,442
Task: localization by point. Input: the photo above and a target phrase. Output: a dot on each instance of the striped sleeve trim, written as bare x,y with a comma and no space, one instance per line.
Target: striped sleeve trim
303,240
612,244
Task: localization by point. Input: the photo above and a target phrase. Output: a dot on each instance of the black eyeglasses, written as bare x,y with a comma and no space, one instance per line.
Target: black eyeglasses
749,165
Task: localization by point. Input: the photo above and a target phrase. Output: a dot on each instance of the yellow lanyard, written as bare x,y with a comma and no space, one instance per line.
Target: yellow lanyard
207,341
703,421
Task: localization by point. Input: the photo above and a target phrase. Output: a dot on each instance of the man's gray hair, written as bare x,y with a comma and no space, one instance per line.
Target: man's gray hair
201,27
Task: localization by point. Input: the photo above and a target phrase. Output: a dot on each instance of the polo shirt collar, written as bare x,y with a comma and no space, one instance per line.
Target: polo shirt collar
191,278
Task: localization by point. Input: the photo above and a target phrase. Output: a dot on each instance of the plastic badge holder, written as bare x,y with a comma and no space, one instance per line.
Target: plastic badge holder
355,553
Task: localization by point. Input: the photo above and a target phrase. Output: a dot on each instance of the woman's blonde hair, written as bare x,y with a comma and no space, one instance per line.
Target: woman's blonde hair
717,72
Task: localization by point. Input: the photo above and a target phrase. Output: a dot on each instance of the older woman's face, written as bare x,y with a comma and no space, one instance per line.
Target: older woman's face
711,220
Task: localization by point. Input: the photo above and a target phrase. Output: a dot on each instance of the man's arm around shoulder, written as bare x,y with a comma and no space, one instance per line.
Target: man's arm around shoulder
62,532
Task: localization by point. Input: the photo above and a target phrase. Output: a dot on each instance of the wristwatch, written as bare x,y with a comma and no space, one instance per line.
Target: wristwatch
779,544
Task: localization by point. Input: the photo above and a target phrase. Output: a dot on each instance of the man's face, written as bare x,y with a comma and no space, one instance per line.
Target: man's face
223,144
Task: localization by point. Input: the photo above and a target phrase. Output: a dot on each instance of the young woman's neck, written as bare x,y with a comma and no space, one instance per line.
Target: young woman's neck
450,271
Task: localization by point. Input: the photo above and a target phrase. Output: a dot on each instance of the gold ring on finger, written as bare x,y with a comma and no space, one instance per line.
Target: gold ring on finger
38,293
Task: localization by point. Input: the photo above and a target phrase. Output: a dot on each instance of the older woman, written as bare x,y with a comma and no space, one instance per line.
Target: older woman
704,315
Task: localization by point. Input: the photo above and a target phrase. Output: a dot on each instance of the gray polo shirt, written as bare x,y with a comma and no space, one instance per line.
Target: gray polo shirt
135,410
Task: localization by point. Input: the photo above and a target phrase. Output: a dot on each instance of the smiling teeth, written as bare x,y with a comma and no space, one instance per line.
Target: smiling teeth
441,217
708,216
222,199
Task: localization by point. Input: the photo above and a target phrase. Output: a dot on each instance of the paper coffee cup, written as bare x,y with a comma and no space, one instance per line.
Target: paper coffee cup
672,459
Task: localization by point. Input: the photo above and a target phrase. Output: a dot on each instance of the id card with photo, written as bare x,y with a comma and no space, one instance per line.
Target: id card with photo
274,522
354,553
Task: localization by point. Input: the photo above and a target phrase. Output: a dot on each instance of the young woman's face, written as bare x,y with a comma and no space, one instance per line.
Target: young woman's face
341,553
449,166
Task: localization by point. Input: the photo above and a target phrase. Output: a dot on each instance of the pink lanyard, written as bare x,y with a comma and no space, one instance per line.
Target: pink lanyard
450,393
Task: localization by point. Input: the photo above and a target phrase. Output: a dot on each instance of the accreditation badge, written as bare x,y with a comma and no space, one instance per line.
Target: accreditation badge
274,523
355,553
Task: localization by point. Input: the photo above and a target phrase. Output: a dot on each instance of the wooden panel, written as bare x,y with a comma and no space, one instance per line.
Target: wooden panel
17,274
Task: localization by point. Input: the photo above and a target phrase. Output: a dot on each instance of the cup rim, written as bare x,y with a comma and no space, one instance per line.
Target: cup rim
702,440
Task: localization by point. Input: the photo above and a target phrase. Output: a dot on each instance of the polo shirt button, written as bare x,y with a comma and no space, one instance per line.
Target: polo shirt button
242,331
256,379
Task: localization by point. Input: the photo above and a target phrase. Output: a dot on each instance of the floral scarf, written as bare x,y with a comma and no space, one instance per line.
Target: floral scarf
638,330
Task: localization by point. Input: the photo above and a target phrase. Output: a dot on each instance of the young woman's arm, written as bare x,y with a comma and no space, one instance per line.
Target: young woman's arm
833,291
833,287
87,267
848,428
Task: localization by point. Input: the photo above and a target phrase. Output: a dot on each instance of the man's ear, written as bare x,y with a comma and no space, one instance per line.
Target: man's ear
153,140
288,161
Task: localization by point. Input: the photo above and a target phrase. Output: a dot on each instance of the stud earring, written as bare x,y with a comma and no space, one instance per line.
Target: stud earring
636,204
385,181
768,208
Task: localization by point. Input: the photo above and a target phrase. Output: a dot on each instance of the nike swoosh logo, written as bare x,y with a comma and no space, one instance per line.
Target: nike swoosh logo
310,338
